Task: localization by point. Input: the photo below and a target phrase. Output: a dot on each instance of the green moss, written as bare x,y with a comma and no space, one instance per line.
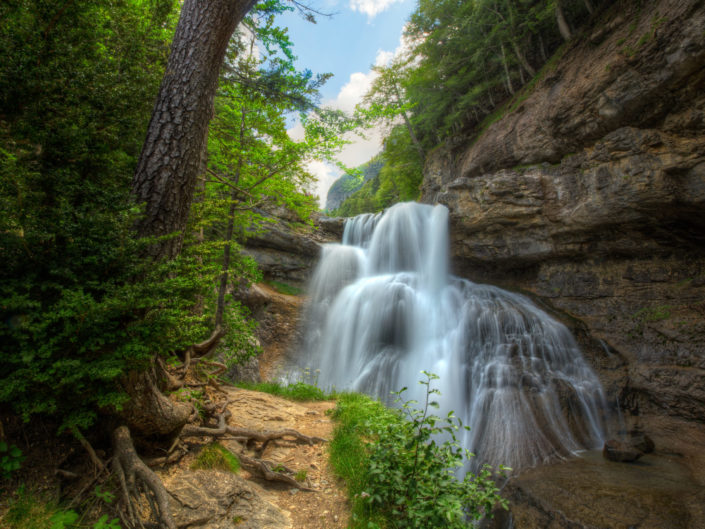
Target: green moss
28,511
283,288
652,314
216,456
646,37
349,456
300,476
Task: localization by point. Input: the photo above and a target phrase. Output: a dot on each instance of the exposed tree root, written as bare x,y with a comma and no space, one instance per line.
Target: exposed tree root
97,462
264,469
149,411
170,382
202,431
265,436
207,346
134,475
245,433
168,459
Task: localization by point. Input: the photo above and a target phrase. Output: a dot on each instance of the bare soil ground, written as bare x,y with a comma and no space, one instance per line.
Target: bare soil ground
325,508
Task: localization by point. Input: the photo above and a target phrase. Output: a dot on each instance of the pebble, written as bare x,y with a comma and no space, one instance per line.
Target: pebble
293,491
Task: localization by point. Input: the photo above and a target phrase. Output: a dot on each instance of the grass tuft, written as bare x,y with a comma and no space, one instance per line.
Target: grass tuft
216,457
299,391
284,288
349,456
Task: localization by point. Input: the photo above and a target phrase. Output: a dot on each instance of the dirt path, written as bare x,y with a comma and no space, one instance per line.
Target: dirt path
326,508
226,501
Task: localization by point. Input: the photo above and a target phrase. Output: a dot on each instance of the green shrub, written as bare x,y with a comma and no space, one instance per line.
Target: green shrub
10,459
399,473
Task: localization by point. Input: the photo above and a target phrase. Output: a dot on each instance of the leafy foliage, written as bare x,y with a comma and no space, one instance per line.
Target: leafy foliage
81,307
398,179
10,459
401,465
29,510
466,63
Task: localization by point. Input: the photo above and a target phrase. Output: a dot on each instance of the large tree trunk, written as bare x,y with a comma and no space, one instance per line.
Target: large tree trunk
168,167
149,412
170,163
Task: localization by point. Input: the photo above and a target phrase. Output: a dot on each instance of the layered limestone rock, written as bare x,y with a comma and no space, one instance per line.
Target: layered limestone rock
590,197
286,249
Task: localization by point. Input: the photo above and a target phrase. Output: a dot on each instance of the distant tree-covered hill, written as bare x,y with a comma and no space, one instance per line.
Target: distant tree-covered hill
347,184
397,179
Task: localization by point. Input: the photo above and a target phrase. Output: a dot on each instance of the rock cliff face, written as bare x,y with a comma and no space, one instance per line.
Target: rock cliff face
287,250
591,198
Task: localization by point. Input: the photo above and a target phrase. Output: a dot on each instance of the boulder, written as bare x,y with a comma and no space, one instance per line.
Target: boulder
220,500
620,452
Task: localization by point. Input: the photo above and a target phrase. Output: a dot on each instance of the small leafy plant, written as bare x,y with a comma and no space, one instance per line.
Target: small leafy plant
400,473
10,459
412,475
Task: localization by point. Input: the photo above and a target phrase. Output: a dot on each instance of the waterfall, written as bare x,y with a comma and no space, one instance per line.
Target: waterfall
383,307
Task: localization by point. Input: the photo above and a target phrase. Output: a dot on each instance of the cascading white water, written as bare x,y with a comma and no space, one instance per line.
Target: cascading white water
383,307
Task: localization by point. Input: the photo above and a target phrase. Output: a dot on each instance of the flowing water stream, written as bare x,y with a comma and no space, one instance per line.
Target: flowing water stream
383,307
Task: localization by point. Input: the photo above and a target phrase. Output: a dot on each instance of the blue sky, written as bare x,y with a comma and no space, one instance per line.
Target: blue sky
347,45
347,42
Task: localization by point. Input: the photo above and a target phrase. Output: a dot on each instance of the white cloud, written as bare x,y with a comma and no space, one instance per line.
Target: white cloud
325,174
359,150
371,7
353,91
296,132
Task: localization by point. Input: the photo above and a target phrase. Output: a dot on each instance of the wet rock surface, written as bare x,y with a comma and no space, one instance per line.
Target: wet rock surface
279,330
656,492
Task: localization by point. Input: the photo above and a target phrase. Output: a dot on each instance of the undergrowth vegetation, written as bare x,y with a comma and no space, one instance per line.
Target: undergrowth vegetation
400,465
30,510
299,391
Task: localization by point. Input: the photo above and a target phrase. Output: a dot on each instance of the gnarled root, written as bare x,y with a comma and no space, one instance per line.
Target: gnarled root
133,474
265,470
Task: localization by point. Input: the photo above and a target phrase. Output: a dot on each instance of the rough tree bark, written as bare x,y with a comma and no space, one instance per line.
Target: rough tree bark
168,167
164,181
170,163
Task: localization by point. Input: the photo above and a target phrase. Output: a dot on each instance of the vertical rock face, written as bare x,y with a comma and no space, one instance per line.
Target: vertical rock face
287,249
591,198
